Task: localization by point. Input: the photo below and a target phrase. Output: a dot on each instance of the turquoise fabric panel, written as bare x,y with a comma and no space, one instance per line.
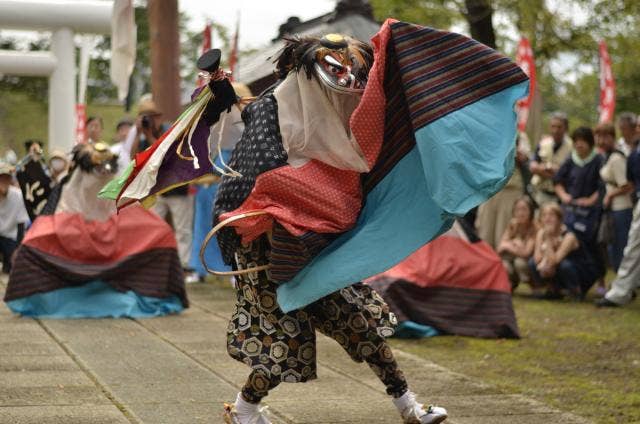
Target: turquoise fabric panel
468,155
413,330
397,219
459,162
95,299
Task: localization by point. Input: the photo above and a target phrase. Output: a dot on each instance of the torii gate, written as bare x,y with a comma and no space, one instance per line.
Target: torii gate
63,19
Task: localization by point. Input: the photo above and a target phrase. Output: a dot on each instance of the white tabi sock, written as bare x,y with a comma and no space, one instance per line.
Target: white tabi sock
406,402
245,408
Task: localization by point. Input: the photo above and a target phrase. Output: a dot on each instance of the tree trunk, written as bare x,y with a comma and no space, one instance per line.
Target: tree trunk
479,16
165,56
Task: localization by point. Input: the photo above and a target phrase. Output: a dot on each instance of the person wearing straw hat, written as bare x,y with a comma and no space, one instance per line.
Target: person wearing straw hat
148,125
177,202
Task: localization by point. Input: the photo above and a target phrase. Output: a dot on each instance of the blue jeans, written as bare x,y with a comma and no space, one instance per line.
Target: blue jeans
566,276
621,224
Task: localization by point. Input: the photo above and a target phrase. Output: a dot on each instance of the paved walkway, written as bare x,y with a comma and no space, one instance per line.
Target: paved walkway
175,370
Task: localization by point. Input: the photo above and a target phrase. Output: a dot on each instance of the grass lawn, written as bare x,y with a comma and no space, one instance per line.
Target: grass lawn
573,356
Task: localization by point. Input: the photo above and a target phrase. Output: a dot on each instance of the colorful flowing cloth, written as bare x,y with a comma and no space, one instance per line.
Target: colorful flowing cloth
82,260
437,122
453,285
437,127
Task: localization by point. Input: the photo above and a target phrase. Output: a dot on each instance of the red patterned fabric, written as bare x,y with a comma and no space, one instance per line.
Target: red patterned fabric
317,197
69,236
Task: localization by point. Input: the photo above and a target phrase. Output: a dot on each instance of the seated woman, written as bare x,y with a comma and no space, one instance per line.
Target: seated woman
560,261
517,242
80,259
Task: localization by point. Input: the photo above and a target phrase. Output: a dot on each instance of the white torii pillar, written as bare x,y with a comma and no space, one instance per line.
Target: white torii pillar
63,18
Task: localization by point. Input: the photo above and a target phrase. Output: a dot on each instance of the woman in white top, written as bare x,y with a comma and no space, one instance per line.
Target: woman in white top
617,200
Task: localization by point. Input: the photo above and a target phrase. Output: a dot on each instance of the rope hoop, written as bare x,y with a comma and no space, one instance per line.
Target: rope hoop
217,228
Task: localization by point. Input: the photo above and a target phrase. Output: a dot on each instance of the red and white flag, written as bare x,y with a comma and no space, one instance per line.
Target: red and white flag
206,45
607,105
524,59
233,55
81,120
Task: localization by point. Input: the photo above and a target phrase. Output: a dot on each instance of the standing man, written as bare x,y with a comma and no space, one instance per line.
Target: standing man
628,278
551,152
178,202
623,288
14,217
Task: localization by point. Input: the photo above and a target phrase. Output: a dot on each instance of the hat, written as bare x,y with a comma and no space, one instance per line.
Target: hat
6,169
58,154
147,106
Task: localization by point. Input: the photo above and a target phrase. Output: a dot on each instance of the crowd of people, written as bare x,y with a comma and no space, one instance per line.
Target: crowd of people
567,213
564,217
131,136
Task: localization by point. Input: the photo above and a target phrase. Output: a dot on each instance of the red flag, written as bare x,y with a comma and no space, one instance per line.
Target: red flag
524,59
233,55
81,121
206,45
607,86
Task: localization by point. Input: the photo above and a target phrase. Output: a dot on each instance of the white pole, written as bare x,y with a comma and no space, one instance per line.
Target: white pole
90,16
29,64
85,49
62,92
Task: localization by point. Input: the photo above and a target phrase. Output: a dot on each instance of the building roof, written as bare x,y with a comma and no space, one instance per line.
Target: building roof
352,18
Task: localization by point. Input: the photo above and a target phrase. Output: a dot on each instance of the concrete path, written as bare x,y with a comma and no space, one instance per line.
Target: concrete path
175,370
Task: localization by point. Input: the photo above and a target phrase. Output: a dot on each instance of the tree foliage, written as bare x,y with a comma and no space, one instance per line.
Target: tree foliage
99,87
560,32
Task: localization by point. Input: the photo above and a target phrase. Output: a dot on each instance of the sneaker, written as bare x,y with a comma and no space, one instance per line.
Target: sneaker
413,412
605,303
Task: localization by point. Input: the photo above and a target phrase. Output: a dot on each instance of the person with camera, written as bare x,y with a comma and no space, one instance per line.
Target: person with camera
177,202
148,126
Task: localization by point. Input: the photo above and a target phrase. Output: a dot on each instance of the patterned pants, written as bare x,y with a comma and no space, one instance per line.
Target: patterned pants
281,346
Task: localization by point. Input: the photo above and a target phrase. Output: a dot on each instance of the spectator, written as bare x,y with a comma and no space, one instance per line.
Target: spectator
494,215
578,184
14,217
633,166
177,202
518,241
629,138
551,152
94,127
118,147
148,126
560,261
628,278
58,167
617,202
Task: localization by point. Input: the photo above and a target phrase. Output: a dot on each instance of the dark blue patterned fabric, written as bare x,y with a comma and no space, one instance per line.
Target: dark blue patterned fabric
259,150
